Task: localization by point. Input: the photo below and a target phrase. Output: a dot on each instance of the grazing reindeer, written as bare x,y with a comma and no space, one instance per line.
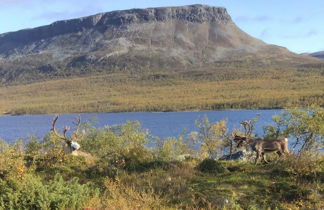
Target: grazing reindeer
260,145
71,142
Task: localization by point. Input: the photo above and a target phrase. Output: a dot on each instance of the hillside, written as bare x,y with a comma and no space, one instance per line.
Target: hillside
139,41
318,54
257,89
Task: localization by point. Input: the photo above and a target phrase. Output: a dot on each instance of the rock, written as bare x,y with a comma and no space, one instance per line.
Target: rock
194,13
235,156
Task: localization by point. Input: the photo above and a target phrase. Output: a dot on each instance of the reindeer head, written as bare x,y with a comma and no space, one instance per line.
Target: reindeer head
71,141
240,141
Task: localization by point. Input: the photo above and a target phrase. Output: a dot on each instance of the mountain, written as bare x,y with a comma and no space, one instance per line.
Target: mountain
317,54
136,40
156,59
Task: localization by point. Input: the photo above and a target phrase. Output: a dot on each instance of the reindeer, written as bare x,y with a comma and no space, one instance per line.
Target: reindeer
261,145
71,142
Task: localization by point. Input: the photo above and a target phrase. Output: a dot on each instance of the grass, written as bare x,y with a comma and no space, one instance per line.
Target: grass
247,187
182,186
178,91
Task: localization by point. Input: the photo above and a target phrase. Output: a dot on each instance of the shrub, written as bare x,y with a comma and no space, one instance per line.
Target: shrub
306,126
122,146
303,167
211,166
118,196
211,138
31,193
170,149
117,140
33,146
288,192
11,161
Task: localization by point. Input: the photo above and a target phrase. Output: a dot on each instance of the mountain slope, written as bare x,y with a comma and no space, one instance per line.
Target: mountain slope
192,28
318,54
137,40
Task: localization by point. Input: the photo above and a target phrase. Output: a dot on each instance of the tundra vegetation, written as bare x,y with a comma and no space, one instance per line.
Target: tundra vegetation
225,87
125,172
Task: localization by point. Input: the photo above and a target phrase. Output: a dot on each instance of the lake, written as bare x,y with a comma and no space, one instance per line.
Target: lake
161,124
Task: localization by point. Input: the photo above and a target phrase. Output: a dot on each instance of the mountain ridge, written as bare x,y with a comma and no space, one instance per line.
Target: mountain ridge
202,13
319,54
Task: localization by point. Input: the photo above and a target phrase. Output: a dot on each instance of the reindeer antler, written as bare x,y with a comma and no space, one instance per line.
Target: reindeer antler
235,132
65,130
247,125
74,137
71,141
76,134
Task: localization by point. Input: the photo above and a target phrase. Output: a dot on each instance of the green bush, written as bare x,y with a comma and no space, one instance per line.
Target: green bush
211,138
11,160
211,166
33,146
171,149
115,139
306,126
121,146
31,193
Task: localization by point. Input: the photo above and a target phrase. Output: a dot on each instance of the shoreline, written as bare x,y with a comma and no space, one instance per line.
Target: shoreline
117,112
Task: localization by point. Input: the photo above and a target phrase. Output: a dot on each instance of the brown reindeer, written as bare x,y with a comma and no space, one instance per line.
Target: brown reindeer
71,141
260,145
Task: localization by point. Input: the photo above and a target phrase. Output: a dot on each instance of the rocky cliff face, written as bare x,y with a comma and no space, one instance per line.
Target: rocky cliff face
152,39
85,33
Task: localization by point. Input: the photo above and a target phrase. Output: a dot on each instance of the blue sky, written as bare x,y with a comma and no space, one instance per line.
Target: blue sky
295,24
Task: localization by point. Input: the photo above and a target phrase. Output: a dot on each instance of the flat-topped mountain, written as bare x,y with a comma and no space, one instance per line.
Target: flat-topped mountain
154,27
137,40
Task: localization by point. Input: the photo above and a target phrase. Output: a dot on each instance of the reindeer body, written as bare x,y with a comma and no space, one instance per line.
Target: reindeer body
263,146
71,146
260,145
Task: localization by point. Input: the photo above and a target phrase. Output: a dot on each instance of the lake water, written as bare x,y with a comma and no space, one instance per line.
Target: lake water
161,124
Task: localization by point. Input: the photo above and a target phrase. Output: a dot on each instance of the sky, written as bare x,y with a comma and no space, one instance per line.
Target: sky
294,24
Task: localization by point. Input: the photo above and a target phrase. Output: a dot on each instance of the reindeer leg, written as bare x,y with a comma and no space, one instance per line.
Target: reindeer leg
279,154
264,158
257,158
